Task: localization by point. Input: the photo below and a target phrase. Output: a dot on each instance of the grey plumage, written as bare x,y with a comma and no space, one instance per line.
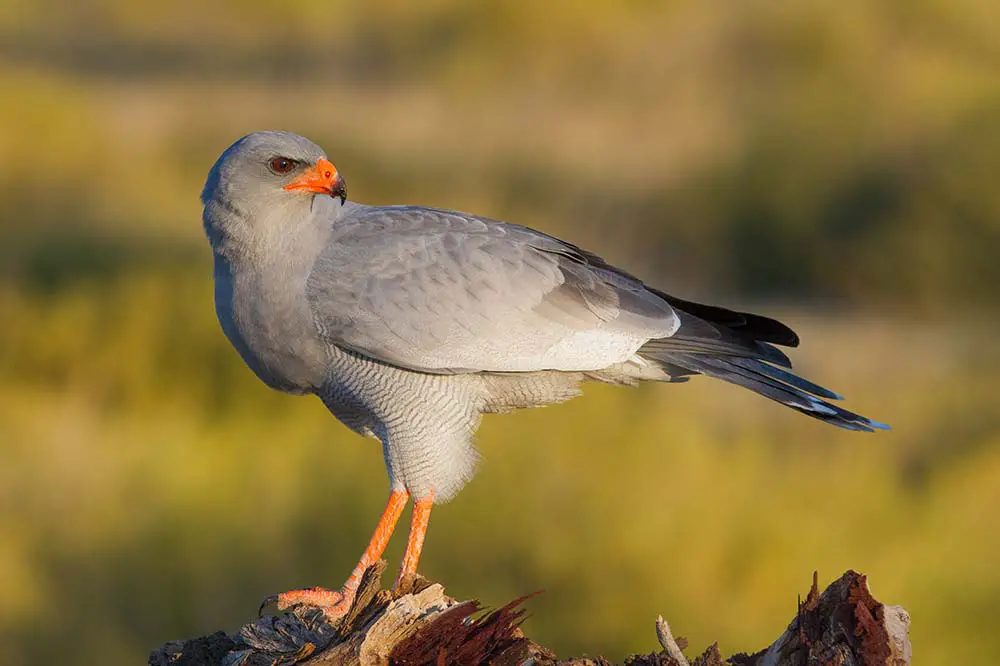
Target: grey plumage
411,322
444,292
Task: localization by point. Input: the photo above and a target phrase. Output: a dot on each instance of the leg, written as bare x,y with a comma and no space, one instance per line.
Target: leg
336,603
415,541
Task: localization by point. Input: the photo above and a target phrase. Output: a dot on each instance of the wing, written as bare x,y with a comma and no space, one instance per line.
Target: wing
439,291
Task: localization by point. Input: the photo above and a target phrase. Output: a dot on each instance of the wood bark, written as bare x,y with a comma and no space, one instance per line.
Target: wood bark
418,624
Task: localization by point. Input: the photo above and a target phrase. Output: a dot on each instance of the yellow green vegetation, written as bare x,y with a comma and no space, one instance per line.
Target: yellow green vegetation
838,159
152,488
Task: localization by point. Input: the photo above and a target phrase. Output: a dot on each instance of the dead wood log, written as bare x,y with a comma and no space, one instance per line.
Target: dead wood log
419,624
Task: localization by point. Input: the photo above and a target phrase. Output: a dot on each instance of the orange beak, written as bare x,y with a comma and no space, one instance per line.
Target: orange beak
320,179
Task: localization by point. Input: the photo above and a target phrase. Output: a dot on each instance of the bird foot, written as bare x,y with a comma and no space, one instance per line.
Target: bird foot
333,603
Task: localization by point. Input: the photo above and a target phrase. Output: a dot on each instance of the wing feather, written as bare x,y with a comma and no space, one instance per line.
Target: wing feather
439,291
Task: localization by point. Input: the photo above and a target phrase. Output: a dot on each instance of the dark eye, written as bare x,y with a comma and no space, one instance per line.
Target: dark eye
281,164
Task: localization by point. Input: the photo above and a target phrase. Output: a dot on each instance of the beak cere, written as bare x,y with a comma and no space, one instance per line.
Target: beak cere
322,178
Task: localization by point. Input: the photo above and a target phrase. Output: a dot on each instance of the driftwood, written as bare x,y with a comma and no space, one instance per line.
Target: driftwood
419,624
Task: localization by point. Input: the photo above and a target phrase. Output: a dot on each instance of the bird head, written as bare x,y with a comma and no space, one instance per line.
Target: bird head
267,172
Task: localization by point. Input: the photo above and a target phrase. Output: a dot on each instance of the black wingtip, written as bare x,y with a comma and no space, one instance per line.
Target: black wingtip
754,326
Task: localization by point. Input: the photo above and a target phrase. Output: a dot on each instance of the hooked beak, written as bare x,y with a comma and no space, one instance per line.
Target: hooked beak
321,179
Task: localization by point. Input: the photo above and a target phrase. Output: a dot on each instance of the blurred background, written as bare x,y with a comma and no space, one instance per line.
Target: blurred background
833,164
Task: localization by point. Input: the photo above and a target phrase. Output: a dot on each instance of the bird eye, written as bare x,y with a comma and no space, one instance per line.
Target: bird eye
281,164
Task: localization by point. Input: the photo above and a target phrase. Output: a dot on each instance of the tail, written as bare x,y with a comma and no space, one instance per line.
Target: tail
739,348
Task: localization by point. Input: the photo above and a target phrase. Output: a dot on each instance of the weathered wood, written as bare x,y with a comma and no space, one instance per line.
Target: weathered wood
669,644
419,624
845,626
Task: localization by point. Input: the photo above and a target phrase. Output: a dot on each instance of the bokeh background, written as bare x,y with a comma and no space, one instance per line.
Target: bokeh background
834,164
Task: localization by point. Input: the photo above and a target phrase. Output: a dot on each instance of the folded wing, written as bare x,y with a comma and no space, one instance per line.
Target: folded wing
442,292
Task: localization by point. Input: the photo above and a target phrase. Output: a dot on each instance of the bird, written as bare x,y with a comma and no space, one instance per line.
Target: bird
409,323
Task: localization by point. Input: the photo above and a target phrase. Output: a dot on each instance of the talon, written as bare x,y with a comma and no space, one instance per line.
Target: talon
336,603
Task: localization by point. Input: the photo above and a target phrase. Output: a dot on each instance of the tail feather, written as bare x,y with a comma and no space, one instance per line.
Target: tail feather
755,366
738,347
774,383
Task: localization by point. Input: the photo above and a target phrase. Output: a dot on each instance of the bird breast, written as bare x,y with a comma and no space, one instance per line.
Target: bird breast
264,313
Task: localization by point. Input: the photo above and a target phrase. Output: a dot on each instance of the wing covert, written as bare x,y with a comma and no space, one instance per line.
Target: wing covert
438,291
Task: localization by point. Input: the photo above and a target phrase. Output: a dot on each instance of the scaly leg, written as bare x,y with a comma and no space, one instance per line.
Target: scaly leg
415,540
337,602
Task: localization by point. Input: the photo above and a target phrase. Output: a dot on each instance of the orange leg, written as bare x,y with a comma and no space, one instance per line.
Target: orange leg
337,602
415,541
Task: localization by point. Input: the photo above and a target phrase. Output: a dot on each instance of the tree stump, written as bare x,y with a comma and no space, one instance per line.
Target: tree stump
418,624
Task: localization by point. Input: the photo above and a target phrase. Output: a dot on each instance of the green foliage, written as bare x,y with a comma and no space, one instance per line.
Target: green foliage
823,154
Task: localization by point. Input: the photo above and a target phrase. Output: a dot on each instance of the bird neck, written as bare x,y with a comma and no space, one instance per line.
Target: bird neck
288,235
